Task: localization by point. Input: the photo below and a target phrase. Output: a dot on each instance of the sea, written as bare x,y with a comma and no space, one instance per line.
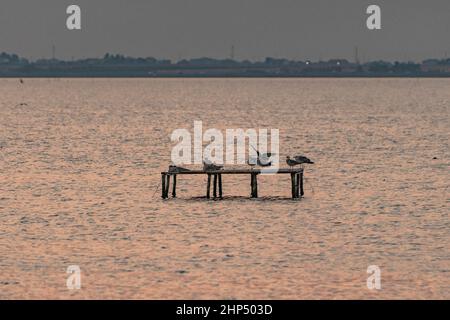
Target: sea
80,172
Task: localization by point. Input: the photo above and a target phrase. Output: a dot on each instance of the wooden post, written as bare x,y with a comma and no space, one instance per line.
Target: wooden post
163,185
254,185
293,185
208,187
220,186
215,187
251,185
297,185
302,192
174,186
167,185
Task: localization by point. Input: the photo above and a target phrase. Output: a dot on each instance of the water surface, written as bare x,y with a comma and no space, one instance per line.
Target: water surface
80,162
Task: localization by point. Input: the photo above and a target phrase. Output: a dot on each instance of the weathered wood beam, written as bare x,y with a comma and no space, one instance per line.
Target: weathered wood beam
174,186
215,187
293,185
220,186
302,192
297,185
163,185
238,171
167,185
208,187
254,185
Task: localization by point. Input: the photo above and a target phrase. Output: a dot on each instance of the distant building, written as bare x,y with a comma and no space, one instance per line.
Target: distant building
435,66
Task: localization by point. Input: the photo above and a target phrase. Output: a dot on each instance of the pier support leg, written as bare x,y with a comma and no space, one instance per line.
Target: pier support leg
251,186
215,187
293,185
163,185
302,192
254,184
220,186
174,186
208,187
167,186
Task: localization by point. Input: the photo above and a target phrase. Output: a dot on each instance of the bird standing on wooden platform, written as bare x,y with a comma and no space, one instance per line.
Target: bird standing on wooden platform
298,160
256,161
263,159
291,162
208,166
173,168
303,159
252,162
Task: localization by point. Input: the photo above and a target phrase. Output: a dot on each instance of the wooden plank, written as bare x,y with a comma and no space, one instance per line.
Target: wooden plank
237,171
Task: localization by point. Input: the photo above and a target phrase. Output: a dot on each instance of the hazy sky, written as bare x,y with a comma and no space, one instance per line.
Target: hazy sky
175,29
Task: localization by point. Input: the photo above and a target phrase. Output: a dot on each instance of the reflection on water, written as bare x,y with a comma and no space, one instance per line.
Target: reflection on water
80,162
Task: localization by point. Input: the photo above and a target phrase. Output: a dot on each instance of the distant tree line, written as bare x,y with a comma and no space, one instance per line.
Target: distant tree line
269,65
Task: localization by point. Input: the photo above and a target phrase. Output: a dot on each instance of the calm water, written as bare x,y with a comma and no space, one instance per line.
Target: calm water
80,162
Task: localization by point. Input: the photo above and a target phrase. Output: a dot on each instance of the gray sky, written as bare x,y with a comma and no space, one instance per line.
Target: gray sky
175,29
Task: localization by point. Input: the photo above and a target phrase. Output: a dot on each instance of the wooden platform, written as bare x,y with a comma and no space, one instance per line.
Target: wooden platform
296,181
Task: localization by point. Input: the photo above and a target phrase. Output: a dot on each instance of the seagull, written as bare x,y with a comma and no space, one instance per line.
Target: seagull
173,168
297,160
211,166
303,159
291,162
263,159
264,162
252,161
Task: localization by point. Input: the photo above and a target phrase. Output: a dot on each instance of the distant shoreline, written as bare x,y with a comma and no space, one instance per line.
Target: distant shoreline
62,76
120,66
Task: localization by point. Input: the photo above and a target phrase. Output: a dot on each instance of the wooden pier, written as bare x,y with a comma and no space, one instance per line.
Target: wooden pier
216,177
